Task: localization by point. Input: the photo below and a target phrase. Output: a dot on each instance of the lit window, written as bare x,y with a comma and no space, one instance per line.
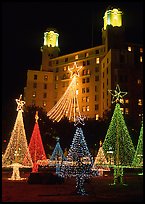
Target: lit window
126,111
77,92
97,60
87,99
126,101
139,102
34,94
141,50
65,69
87,54
56,86
129,48
44,103
140,58
76,57
122,110
83,109
45,77
56,78
87,108
83,99
97,116
139,81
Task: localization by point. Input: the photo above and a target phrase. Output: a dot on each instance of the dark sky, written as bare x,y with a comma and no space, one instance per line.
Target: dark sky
23,25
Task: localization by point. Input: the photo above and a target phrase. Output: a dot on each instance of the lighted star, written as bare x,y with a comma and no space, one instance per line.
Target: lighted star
20,103
79,120
117,94
36,117
74,70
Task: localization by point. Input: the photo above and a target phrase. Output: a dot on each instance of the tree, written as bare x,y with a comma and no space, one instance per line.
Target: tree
118,139
17,146
101,163
138,157
78,161
36,148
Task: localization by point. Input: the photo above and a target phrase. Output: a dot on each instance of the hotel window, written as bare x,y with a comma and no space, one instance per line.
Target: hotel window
139,81
126,101
56,86
83,109
34,85
83,99
35,76
97,51
87,90
34,94
129,48
87,99
45,86
97,78
140,58
97,60
77,92
96,97
126,111
86,54
57,69
65,69
56,78
87,80
83,80
76,57
87,108
44,95
96,89
96,107
88,62
139,102
66,59
88,71
84,63
96,69
45,77
57,61
141,50
97,116
83,90
44,103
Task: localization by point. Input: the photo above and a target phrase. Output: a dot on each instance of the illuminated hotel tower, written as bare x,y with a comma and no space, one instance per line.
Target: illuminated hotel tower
103,66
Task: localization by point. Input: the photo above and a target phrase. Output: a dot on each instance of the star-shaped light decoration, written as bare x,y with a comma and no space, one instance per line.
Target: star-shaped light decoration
117,94
36,117
78,120
74,70
20,103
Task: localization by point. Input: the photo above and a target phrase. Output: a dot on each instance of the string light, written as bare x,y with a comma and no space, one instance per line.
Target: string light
68,103
17,146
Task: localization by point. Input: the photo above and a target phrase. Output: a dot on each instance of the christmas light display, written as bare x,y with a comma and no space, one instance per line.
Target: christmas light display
78,162
36,148
57,157
101,163
67,105
17,146
118,139
138,156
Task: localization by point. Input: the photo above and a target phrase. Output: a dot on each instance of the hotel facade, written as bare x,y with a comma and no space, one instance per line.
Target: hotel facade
103,67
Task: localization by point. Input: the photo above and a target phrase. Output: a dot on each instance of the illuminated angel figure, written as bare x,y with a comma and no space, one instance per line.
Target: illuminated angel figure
20,103
68,105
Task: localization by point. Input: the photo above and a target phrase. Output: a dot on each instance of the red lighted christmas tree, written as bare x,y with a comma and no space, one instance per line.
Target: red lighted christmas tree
36,148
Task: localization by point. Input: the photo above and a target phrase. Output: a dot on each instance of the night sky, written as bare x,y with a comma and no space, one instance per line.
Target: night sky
23,26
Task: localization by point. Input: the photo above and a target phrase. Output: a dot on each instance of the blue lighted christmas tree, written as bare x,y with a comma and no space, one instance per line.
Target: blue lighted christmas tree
57,156
78,161
118,139
138,157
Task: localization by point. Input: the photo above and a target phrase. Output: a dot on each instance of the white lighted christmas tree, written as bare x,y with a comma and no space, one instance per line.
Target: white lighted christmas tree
68,105
79,160
101,163
118,139
138,156
17,146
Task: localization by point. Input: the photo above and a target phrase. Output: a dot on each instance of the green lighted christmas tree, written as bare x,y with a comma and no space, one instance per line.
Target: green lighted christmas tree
118,138
138,157
17,146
